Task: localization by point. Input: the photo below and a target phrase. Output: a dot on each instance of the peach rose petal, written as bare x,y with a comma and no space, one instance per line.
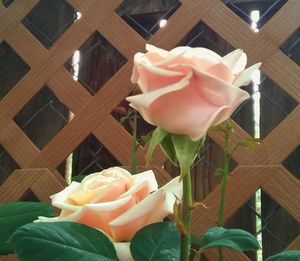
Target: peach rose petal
96,215
82,197
112,192
152,78
236,61
123,251
107,173
205,60
152,209
244,78
197,54
196,107
125,226
60,200
99,216
216,91
148,176
173,58
143,184
143,101
151,48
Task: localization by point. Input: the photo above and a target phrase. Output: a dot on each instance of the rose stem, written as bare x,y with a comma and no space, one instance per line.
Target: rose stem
224,180
187,202
134,143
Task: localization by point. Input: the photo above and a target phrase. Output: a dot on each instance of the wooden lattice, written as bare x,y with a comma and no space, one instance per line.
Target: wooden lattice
260,168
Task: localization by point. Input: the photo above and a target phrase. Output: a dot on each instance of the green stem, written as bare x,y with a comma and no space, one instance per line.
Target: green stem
224,180
134,144
187,203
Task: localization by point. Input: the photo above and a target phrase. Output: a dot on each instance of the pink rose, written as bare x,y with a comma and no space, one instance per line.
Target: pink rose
188,90
117,203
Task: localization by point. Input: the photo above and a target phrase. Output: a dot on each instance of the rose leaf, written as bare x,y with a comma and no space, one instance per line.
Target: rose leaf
158,241
78,178
235,239
292,255
16,214
62,241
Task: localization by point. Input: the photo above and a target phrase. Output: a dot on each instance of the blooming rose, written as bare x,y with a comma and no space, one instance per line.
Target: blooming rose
188,90
117,203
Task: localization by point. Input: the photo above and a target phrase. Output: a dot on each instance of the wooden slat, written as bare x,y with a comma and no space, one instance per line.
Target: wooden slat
81,6
213,254
281,25
41,182
14,15
284,72
9,258
18,145
169,36
124,36
285,190
70,92
46,185
74,132
295,245
32,52
117,139
280,142
93,113
239,190
229,25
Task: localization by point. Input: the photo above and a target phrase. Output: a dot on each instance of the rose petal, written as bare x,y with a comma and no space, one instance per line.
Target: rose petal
198,54
96,215
205,101
123,251
82,197
106,185
143,184
99,215
60,200
152,78
236,61
125,226
152,209
142,101
147,175
151,48
244,78
110,172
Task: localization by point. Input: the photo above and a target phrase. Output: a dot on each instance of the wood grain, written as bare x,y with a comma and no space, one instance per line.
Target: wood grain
259,168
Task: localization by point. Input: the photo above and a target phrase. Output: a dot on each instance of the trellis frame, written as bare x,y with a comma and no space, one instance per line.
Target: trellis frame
260,168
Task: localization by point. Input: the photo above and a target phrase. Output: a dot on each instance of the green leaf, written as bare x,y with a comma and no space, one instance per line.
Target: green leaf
159,241
78,178
169,149
15,215
186,151
223,127
62,241
196,241
157,136
292,255
219,128
235,239
219,172
250,143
